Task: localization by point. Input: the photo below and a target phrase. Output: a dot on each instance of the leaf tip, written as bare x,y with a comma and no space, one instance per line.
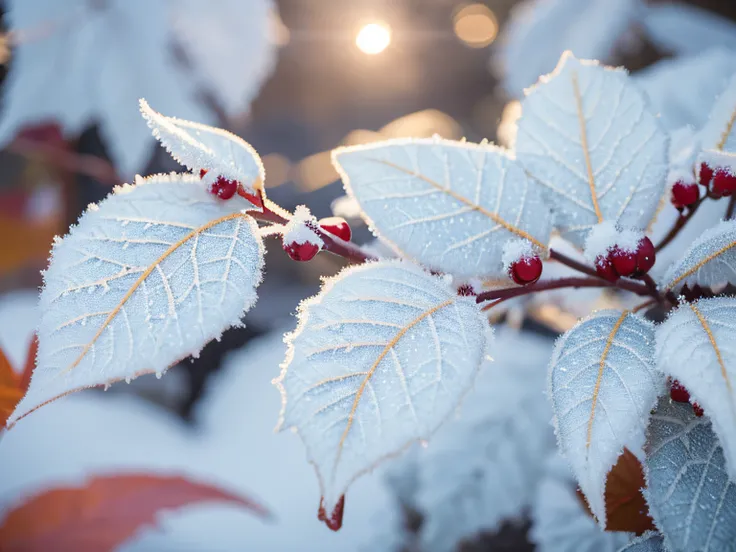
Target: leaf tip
334,520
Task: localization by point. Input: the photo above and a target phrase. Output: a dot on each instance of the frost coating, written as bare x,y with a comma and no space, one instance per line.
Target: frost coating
594,150
560,523
150,277
381,356
603,237
710,260
696,346
718,159
651,541
602,384
514,251
451,206
719,133
688,491
299,229
198,146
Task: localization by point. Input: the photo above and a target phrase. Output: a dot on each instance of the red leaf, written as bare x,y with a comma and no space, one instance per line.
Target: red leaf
104,513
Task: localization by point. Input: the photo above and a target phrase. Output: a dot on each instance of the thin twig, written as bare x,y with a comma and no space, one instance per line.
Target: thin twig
652,287
680,223
572,263
508,293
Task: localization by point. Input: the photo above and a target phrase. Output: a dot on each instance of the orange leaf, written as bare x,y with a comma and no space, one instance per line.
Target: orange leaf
626,509
104,513
10,391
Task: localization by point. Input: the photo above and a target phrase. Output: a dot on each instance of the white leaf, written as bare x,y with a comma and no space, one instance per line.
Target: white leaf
145,279
539,31
81,63
230,45
719,133
688,490
560,521
451,206
682,90
695,345
587,138
710,260
381,356
199,146
682,29
484,467
603,383
651,541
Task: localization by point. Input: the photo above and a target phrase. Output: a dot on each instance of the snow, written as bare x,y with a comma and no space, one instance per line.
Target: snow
515,250
299,229
605,236
723,160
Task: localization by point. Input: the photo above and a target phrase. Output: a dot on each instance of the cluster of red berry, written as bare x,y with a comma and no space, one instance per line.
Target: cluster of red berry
619,262
718,182
336,226
678,393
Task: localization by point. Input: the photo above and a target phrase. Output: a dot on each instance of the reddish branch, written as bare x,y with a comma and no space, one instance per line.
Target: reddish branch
680,223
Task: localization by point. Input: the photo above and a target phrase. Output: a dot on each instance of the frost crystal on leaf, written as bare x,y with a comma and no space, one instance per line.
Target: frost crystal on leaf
602,384
696,346
605,236
591,145
651,541
198,146
688,490
381,356
300,228
710,261
719,133
146,279
451,206
560,522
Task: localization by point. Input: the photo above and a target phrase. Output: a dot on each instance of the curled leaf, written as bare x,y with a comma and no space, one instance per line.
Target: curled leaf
588,139
695,345
603,383
198,146
146,278
690,496
381,356
452,206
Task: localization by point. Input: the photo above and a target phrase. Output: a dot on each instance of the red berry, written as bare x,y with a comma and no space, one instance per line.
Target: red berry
301,251
724,183
624,262
224,188
605,269
202,172
705,175
697,410
526,270
645,255
684,194
336,226
678,393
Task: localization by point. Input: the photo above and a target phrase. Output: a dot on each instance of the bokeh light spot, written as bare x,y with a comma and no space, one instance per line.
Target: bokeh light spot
476,25
373,38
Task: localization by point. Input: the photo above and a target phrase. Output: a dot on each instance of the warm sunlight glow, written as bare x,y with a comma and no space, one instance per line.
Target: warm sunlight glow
476,25
373,38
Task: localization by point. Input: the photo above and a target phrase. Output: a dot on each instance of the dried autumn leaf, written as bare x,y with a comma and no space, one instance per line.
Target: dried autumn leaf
626,509
13,385
104,513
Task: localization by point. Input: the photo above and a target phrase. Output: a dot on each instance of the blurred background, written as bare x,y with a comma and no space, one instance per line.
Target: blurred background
295,78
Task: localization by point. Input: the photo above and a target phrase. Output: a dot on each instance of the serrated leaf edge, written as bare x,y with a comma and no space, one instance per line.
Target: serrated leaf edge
699,265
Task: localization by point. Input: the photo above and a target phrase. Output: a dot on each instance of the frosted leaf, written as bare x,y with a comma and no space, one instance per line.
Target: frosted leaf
103,56
719,133
602,384
150,277
587,138
560,522
695,345
710,260
198,146
484,467
539,31
688,490
451,206
651,541
682,90
381,356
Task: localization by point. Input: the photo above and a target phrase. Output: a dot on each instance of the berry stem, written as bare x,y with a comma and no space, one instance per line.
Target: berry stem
276,214
680,223
572,263
731,207
652,287
508,293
